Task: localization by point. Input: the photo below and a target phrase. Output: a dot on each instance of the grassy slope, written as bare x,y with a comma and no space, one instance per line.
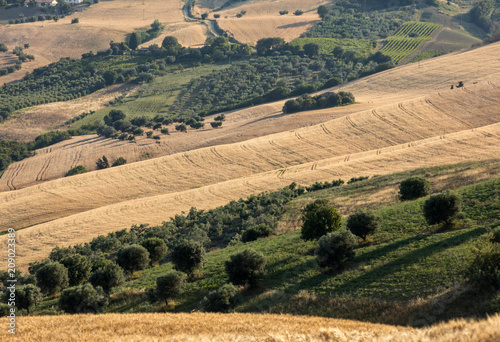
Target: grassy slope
154,98
405,265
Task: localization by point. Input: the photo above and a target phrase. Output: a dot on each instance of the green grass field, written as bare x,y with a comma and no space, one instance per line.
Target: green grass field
154,98
398,276
326,45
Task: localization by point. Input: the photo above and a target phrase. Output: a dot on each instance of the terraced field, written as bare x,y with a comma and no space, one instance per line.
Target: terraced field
408,39
408,118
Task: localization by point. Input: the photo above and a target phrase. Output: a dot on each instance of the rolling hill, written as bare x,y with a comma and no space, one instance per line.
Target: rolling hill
406,118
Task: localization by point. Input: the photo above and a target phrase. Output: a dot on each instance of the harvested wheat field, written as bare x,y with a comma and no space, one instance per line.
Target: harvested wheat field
98,25
262,18
31,122
241,327
445,126
36,242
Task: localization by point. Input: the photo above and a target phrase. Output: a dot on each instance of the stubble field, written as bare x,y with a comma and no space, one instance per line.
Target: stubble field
393,134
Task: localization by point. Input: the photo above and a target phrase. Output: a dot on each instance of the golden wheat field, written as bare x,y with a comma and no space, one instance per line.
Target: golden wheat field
98,25
262,18
31,122
241,328
388,131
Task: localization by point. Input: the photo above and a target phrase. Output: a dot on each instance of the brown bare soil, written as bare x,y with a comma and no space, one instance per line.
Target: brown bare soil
408,118
32,122
240,328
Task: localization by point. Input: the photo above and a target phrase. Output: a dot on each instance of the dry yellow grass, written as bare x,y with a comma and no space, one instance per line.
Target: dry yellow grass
32,122
263,19
240,328
448,127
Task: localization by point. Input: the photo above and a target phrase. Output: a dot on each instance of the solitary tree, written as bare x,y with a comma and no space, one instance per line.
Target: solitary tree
442,208
133,258
413,188
188,255
135,41
246,267
363,223
170,285
318,219
335,249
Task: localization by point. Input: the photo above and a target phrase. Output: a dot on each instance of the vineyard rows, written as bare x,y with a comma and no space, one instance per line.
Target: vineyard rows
408,39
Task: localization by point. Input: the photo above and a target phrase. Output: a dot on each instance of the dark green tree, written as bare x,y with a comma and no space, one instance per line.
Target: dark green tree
224,299
28,296
311,50
102,163
82,299
336,249
363,223
171,45
323,11
413,188
79,268
170,285
318,219
442,208
246,267
134,41
132,258
157,249
107,277
52,277
188,255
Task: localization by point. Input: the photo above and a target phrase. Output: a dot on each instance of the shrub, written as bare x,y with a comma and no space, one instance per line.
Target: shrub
75,21
52,277
413,188
188,255
246,267
76,171
102,163
363,223
4,309
255,232
157,249
164,131
283,12
225,298
442,208
335,249
298,12
107,277
79,268
484,271
216,124
170,285
318,219
132,258
82,299
120,161
149,134
216,16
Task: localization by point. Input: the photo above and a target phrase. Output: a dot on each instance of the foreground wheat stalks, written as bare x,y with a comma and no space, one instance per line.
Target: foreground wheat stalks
238,328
